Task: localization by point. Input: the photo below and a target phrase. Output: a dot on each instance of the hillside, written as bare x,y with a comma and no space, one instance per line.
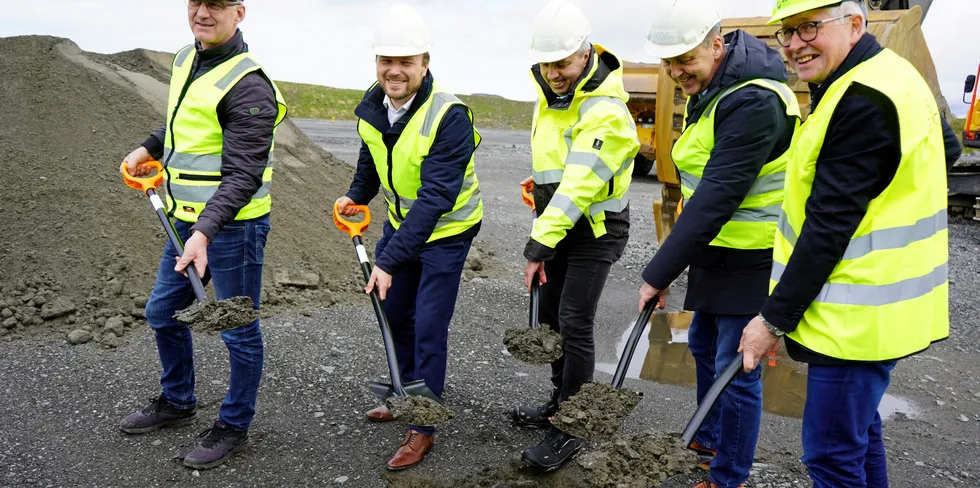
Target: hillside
323,102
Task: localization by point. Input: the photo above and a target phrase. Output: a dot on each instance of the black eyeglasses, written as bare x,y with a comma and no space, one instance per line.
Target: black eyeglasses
215,6
806,30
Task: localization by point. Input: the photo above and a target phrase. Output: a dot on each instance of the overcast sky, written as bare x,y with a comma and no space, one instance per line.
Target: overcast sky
480,46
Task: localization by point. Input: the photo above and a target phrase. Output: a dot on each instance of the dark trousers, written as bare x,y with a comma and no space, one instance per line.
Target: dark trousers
419,306
235,260
576,277
732,427
842,440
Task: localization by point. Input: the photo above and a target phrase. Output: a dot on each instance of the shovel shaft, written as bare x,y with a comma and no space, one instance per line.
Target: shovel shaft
635,335
175,240
712,396
393,368
535,303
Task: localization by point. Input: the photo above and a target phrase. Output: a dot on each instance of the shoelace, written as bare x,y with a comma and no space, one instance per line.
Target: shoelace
411,437
155,404
213,435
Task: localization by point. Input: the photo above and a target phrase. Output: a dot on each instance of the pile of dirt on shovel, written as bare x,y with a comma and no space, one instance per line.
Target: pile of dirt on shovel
80,249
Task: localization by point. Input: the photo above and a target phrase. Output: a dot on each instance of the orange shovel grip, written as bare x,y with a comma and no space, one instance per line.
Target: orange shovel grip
143,183
526,196
352,229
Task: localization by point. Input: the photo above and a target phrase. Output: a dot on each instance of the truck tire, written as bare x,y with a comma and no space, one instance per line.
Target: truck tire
642,165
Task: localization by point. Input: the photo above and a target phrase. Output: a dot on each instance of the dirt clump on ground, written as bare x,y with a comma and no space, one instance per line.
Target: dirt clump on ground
78,238
646,459
596,411
417,410
540,345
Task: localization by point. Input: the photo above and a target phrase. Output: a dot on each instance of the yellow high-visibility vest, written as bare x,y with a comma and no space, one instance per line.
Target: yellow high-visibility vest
753,225
888,297
401,187
193,141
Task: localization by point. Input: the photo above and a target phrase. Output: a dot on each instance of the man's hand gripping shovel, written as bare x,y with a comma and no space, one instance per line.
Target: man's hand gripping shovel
204,315
413,400
533,344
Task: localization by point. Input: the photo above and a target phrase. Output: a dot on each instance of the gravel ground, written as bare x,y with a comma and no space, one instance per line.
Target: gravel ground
61,404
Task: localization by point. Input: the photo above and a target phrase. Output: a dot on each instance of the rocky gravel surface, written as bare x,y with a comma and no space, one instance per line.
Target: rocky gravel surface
61,403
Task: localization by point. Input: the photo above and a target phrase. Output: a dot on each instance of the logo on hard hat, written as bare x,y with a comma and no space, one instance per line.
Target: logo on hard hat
664,36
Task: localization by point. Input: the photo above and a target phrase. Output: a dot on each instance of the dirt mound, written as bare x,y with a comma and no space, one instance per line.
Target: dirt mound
596,411
646,459
76,235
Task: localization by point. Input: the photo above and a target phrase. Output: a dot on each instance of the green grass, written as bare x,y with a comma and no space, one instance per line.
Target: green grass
323,102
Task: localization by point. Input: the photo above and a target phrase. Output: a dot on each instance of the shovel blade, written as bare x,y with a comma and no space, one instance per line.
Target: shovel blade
381,390
418,388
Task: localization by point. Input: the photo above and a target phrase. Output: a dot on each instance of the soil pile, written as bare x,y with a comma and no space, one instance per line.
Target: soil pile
596,411
417,410
647,459
540,345
80,249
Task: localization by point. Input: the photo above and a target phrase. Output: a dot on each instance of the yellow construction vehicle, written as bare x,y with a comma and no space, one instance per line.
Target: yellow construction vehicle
971,130
897,24
640,80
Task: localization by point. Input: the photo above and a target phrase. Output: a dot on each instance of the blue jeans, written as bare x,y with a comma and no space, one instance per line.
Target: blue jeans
419,306
235,258
732,426
842,443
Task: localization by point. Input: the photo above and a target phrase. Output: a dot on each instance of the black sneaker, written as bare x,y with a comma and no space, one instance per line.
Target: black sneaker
218,444
159,413
535,417
554,451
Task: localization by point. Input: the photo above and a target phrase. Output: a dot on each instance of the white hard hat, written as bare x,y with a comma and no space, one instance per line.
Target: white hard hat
401,31
680,25
559,31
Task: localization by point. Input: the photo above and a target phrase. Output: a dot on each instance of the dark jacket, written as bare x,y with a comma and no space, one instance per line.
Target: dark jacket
858,160
751,129
617,223
247,136
443,171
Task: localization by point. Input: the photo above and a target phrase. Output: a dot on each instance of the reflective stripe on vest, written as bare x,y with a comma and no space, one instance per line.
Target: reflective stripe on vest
410,150
194,166
888,296
753,225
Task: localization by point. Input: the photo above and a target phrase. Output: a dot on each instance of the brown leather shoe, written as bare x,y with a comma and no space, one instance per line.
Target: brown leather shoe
414,447
380,414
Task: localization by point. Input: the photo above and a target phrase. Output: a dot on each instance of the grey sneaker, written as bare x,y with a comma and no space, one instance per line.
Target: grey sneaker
158,413
218,444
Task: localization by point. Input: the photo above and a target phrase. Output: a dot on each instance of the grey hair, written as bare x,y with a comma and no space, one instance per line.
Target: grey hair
712,34
851,7
584,48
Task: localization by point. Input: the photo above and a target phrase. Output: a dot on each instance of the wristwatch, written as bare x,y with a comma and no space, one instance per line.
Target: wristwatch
776,331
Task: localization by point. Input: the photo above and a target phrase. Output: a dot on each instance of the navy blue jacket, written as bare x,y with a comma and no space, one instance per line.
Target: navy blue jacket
443,171
751,129
859,158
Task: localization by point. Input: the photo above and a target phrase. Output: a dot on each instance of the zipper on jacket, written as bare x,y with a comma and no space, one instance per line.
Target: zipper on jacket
612,186
391,184
173,117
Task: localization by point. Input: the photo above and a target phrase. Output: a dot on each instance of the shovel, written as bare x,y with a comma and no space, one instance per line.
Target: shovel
382,390
204,315
710,398
597,410
534,344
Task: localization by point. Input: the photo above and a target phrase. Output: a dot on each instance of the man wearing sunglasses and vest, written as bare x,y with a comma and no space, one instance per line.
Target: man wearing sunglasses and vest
859,278
731,157
418,146
217,148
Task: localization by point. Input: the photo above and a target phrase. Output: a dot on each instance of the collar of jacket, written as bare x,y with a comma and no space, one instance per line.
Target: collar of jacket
866,48
373,111
746,58
601,64
217,55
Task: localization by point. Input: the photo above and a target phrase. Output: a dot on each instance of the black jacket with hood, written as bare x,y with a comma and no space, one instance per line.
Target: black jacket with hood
751,129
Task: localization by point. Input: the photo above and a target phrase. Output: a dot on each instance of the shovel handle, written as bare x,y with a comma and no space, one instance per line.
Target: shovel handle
143,183
196,282
634,339
527,196
353,229
710,398
535,303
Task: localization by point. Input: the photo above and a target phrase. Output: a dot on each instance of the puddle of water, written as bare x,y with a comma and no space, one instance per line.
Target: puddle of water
666,359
